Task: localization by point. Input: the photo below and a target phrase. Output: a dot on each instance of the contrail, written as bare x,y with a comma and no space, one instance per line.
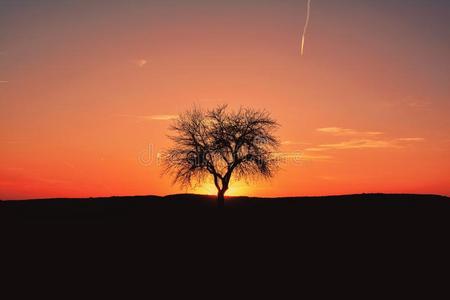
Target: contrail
305,28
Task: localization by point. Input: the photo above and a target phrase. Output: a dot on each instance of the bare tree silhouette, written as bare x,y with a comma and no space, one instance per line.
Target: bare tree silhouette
221,143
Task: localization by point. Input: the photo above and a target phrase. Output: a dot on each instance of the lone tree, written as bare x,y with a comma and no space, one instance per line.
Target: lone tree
221,143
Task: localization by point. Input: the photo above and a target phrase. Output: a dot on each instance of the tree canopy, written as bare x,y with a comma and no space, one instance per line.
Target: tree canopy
221,143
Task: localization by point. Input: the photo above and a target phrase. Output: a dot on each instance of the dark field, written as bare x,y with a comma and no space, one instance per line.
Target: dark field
189,207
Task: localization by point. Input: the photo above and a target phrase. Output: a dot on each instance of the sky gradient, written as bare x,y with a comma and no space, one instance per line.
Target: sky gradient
88,89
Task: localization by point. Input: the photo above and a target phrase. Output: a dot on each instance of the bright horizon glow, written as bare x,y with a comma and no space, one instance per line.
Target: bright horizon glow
238,188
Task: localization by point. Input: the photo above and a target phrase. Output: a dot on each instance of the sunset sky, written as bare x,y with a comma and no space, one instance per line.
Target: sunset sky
89,88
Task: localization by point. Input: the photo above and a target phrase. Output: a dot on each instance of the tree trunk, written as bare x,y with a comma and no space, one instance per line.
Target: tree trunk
221,199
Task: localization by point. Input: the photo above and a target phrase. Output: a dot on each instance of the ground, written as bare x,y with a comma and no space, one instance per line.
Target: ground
185,206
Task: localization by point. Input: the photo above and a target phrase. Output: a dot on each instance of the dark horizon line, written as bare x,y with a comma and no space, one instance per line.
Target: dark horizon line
213,196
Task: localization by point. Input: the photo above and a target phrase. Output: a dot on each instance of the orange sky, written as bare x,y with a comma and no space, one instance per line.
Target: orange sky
86,89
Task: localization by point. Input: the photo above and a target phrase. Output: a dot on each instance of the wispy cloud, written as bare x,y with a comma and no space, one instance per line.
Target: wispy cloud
149,117
311,157
414,103
411,139
288,155
336,130
339,131
140,62
365,144
315,149
4,81
159,117
418,104
289,143
359,144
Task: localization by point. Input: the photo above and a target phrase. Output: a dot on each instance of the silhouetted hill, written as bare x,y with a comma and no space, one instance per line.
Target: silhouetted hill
183,206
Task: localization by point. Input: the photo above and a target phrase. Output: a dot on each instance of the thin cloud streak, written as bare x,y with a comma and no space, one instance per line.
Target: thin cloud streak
150,117
413,103
315,149
339,131
412,139
160,117
288,143
359,144
311,157
365,144
305,28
